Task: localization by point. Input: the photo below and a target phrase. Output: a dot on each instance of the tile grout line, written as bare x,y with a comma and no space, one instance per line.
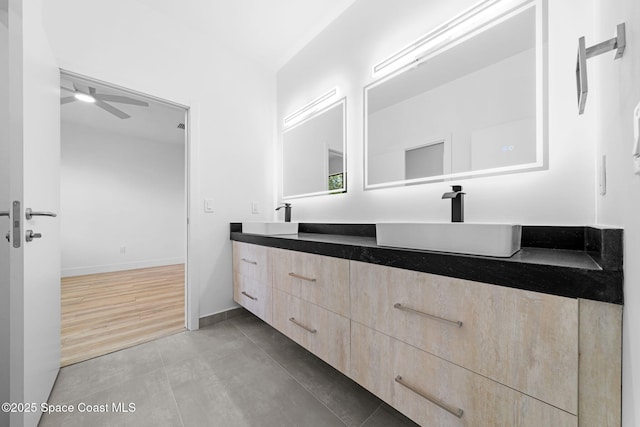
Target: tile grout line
372,414
173,396
291,375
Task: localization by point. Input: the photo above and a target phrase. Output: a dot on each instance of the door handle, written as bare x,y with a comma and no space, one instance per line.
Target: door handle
8,235
30,235
28,213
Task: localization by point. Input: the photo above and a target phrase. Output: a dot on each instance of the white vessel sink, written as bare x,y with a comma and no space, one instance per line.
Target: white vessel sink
270,228
498,240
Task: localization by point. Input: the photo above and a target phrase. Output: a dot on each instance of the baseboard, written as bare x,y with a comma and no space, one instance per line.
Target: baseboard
212,319
96,269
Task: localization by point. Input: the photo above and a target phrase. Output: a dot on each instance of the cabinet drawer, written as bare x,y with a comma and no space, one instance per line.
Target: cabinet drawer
525,340
320,331
432,391
315,278
251,261
253,295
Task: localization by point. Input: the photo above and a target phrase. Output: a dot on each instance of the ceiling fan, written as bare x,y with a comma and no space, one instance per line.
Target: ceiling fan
89,94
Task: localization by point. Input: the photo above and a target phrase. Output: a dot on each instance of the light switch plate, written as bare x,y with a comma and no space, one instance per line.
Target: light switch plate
255,207
602,181
208,205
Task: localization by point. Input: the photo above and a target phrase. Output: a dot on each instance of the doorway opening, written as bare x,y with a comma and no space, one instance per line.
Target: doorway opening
124,228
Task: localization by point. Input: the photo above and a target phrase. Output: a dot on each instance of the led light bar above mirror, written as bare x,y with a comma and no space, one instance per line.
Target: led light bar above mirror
473,18
310,109
470,101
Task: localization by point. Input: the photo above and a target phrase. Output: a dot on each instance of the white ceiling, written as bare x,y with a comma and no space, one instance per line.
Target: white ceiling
158,122
272,31
268,31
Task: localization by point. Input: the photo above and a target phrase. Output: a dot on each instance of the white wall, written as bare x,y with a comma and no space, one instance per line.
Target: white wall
5,204
614,93
232,115
371,30
119,191
566,193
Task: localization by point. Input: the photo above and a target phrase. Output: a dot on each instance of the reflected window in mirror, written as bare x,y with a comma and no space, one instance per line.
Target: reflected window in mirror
336,170
425,161
314,161
483,88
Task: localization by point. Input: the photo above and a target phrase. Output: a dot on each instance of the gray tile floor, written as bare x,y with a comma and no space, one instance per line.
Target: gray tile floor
240,372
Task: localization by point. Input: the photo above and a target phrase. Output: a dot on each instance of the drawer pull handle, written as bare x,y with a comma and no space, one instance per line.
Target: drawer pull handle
456,323
249,296
297,276
249,261
450,409
295,322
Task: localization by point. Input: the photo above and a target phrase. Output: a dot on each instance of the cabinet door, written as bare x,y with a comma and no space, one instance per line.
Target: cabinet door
253,295
322,332
251,261
434,392
526,340
319,279
600,364
252,279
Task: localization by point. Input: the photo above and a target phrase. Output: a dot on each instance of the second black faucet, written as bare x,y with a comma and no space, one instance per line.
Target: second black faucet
457,203
287,211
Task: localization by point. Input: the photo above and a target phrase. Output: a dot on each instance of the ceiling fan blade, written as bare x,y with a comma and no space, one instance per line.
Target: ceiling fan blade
67,89
113,110
120,99
67,99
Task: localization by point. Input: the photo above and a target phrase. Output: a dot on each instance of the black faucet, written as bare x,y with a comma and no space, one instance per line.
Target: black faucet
457,203
287,211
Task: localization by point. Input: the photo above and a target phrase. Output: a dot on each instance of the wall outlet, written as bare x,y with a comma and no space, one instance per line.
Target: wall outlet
123,250
255,207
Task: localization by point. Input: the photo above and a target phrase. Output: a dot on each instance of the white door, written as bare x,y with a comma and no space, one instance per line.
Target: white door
5,203
34,154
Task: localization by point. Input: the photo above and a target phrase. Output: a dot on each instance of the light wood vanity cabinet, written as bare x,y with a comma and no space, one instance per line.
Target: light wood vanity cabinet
311,303
504,356
252,279
304,296
434,392
318,279
322,332
432,345
525,340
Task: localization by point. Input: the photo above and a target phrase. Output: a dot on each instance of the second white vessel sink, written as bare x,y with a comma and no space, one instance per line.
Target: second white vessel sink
270,228
498,240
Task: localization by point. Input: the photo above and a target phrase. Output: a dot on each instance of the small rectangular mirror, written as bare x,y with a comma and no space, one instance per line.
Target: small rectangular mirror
473,105
314,161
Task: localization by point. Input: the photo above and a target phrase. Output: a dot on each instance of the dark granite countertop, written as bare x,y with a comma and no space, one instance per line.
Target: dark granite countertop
575,262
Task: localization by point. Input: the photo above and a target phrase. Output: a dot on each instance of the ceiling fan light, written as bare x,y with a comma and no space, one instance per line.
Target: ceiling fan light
84,97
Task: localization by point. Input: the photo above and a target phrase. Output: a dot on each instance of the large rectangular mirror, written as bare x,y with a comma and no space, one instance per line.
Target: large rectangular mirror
472,105
314,160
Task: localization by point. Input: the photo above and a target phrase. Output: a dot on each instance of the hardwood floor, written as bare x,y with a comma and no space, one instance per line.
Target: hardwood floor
102,313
